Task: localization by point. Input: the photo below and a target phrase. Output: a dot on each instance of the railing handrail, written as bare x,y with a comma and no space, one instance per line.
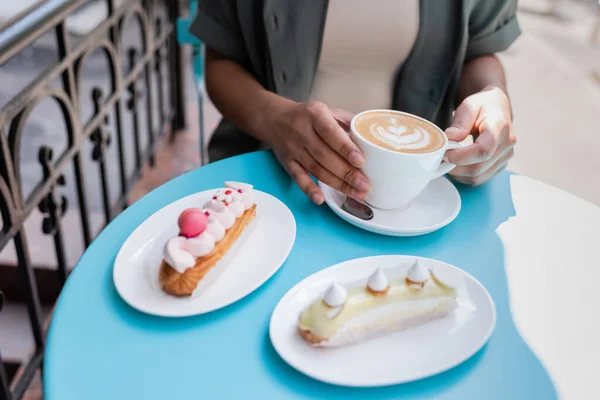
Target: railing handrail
29,27
19,15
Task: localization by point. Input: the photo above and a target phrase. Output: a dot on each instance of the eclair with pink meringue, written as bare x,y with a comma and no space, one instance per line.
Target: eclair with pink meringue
192,260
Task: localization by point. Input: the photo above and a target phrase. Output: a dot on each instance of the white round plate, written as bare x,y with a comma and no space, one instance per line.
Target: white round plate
259,254
435,207
399,357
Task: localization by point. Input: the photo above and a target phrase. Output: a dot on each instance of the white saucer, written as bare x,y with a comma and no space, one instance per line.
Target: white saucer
399,357
435,207
253,259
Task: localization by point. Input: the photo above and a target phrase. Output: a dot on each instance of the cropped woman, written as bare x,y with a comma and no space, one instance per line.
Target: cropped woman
289,75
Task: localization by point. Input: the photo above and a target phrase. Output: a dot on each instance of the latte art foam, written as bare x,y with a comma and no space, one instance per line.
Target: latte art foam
400,136
399,132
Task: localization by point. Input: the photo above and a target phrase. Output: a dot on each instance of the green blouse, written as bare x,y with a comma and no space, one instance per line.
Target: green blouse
279,42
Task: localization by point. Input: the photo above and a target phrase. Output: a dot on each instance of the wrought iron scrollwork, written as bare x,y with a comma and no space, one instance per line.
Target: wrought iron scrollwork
135,94
50,207
101,137
53,209
6,210
159,58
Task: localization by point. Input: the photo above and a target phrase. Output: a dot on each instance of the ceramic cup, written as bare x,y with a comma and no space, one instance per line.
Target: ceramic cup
397,177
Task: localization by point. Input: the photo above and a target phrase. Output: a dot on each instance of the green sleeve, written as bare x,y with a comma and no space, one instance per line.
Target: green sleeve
493,27
217,26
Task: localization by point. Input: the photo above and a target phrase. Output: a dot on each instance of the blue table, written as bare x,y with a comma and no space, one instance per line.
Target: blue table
100,348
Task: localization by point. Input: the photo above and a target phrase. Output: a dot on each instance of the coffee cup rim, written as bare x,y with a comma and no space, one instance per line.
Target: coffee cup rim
365,141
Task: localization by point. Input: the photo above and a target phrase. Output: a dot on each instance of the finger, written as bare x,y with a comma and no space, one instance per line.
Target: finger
493,133
342,117
341,168
496,168
304,182
465,119
475,170
335,137
327,177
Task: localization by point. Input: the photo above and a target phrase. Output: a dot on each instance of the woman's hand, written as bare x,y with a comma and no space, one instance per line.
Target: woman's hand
311,138
307,138
487,116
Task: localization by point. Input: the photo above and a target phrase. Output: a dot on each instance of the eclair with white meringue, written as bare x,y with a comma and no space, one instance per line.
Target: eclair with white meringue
192,260
384,302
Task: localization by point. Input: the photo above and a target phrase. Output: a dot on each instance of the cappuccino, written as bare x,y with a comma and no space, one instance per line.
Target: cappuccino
399,132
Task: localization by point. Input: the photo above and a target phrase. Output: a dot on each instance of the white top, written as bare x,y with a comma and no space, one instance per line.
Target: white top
364,44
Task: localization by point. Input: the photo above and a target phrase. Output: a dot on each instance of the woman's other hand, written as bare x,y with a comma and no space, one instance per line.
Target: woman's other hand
311,139
487,116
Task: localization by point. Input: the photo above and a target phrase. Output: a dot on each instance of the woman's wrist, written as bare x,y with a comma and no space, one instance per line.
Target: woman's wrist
479,74
269,109
241,98
496,86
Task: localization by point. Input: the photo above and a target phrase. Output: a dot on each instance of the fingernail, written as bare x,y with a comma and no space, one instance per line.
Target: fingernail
359,195
451,130
362,184
356,159
316,198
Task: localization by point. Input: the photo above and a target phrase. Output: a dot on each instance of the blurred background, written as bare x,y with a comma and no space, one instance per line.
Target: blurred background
554,82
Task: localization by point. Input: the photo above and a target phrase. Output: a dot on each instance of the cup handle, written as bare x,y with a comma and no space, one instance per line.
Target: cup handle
445,166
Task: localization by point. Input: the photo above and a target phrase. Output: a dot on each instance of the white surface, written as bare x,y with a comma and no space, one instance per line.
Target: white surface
398,178
426,350
553,271
437,205
254,258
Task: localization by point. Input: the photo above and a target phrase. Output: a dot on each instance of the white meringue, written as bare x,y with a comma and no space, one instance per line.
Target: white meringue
200,245
180,252
214,227
417,273
377,281
246,190
227,195
236,208
244,187
335,296
177,256
221,212
232,199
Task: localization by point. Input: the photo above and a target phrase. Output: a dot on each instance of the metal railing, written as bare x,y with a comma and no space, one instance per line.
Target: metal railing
123,102
184,36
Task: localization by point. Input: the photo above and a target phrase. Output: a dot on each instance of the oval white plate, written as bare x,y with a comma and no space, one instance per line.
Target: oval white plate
400,357
259,254
435,207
